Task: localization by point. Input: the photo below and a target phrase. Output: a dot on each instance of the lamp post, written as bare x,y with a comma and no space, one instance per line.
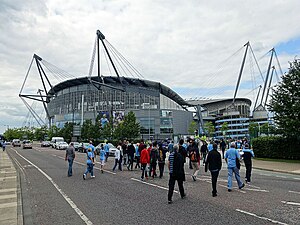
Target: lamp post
258,129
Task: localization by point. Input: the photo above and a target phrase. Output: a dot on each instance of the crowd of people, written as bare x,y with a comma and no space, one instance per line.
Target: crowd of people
147,156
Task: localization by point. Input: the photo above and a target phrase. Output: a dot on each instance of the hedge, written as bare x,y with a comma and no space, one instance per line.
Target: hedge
275,147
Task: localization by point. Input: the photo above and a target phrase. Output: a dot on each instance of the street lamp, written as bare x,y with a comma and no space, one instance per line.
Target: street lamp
258,129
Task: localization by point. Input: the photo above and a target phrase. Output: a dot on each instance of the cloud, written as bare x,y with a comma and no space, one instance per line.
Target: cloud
183,45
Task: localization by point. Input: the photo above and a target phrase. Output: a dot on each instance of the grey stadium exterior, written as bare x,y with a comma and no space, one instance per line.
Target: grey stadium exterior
161,112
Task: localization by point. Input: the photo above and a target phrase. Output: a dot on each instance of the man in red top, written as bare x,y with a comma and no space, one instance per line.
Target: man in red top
145,158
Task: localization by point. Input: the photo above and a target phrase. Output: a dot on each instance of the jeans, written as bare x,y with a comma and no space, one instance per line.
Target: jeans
106,156
90,169
117,162
248,171
130,162
171,187
236,172
144,172
70,160
214,178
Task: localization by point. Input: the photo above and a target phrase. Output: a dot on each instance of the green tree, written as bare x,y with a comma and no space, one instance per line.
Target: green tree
210,128
129,128
192,127
253,129
40,133
224,128
264,129
87,130
67,131
285,102
54,131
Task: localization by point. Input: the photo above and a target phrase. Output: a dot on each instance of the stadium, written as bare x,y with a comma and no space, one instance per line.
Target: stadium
161,112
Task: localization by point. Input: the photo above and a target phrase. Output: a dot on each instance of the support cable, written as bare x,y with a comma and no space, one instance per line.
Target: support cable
26,75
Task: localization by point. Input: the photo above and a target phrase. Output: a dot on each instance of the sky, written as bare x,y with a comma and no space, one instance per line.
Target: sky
195,47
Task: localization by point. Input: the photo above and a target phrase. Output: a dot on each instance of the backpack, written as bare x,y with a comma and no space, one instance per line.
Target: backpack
193,156
153,155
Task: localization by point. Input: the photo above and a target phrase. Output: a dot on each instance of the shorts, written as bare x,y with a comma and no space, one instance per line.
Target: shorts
102,162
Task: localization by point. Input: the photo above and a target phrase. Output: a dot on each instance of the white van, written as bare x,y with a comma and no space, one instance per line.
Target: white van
55,140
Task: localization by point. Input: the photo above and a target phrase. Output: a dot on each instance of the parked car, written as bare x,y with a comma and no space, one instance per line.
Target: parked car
76,145
16,142
83,147
7,142
61,145
45,144
27,144
111,151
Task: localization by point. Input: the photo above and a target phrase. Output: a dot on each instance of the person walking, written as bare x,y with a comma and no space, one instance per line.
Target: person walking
106,148
137,156
125,151
176,171
231,157
194,157
203,151
214,164
130,153
153,160
92,147
182,150
3,146
161,160
102,156
247,157
145,158
90,164
117,158
223,147
70,156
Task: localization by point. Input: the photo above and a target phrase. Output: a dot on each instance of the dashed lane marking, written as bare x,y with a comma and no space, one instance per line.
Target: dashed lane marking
8,190
69,201
291,203
153,185
295,192
258,190
261,217
8,196
296,178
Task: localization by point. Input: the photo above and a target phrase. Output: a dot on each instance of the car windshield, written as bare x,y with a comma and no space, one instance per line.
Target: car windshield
26,142
63,143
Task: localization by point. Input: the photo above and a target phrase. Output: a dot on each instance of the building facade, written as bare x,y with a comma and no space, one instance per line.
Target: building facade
160,111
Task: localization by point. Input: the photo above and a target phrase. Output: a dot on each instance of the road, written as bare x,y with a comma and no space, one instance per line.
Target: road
50,197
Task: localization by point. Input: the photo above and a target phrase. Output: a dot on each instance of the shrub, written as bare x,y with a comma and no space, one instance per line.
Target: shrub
276,147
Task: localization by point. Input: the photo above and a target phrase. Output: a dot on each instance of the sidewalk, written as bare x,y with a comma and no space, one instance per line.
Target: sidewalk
292,168
8,191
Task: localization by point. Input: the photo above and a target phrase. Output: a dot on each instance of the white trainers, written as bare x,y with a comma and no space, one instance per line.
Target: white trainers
93,176
84,176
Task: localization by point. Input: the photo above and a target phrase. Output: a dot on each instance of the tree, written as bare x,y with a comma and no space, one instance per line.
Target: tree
54,131
129,128
210,128
253,129
285,102
193,126
67,131
224,128
40,133
87,130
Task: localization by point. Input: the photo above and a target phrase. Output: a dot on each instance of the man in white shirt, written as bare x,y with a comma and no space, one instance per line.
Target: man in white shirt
117,158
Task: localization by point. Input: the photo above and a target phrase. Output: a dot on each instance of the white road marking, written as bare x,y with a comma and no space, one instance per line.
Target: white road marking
296,178
154,185
253,189
71,203
250,185
233,188
295,192
291,203
8,205
280,176
5,178
261,217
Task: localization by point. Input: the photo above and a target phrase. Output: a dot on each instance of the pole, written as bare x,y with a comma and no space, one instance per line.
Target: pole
82,102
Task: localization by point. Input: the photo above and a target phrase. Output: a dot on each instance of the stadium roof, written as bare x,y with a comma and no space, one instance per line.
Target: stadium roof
205,102
126,81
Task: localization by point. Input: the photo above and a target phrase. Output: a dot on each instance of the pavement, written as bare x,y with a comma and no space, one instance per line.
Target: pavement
10,210
10,194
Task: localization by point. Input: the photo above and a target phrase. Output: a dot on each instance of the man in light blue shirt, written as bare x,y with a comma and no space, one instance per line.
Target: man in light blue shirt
231,156
106,149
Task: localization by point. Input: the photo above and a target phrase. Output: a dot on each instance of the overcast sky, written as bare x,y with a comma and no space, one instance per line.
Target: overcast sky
188,46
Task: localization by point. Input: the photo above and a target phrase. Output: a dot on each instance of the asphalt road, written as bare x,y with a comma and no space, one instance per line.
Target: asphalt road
50,197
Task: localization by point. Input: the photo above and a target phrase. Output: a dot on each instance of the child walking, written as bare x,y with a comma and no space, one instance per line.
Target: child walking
90,165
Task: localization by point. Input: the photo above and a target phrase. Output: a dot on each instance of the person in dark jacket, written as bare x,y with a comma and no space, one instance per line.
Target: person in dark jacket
176,170
130,152
182,150
247,157
153,160
161,160
223,147
214,164
203,151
